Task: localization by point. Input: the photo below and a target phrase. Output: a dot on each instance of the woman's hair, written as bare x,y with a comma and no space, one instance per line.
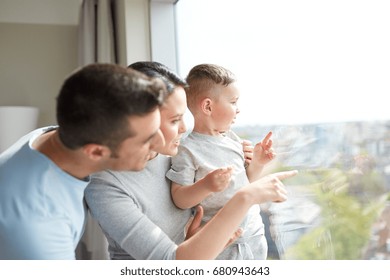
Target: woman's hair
95,103
158,70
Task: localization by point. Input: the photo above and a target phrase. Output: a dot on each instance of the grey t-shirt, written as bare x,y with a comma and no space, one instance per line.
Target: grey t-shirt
198,155
136,212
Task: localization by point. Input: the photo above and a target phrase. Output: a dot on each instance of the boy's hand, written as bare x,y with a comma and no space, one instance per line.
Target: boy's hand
219,179
247,147
263,152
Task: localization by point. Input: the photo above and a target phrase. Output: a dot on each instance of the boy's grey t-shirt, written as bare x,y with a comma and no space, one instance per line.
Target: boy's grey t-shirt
200,154
136,212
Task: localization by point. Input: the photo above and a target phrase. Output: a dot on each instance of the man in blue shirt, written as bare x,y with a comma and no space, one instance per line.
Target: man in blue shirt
108,118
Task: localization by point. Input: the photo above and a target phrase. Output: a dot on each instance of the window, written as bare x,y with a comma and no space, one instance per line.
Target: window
316,73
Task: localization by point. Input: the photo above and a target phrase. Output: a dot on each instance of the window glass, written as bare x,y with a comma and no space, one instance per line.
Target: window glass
316,73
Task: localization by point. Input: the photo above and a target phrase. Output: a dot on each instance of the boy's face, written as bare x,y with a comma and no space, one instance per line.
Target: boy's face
225,109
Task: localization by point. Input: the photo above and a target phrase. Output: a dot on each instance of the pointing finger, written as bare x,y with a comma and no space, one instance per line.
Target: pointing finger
285,174
267,137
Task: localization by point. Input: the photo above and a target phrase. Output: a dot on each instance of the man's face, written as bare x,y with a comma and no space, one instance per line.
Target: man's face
134,152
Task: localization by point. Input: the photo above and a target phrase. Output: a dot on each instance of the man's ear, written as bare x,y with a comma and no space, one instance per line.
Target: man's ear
96,152
206,106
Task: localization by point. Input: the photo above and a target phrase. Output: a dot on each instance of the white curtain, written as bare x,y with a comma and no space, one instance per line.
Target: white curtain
96,44
97,36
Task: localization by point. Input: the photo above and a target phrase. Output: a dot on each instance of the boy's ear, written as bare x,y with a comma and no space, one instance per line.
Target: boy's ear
96,151
206,106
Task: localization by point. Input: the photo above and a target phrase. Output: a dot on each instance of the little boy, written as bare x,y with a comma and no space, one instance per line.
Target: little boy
196,173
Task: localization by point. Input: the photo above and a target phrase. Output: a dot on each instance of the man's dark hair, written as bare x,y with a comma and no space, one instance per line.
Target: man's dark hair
95,103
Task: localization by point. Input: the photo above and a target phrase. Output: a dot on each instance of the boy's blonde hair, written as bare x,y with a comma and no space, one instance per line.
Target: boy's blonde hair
202,78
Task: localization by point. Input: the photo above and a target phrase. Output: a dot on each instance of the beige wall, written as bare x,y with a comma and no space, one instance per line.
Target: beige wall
38,47
135,35
34,60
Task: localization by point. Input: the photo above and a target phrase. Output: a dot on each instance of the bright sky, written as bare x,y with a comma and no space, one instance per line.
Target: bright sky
296,61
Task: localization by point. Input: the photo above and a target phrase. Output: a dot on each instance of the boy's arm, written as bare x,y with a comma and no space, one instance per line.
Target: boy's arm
262,154
189,196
